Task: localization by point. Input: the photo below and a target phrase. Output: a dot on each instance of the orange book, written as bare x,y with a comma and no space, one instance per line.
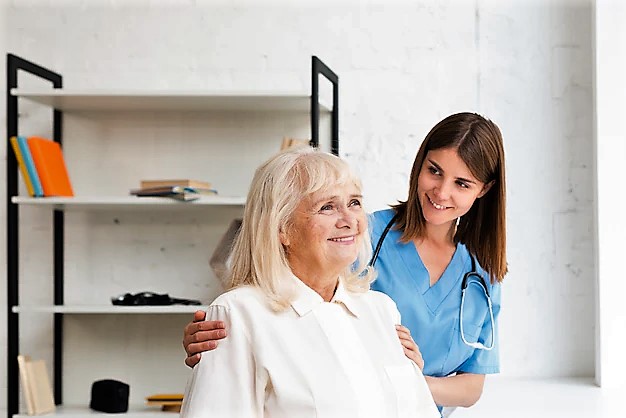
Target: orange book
48,158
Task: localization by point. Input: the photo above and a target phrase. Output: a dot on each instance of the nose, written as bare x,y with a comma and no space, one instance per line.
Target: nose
346,219
444,190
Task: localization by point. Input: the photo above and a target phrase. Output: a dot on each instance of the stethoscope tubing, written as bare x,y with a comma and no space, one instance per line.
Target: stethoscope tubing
464,284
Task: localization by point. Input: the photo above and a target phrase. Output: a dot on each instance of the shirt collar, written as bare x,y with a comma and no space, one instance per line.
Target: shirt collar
308,299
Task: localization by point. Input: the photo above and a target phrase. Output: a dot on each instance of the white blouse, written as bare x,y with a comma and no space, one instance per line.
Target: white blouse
317,359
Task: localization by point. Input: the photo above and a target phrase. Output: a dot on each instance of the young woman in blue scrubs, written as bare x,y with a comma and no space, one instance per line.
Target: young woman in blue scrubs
452,224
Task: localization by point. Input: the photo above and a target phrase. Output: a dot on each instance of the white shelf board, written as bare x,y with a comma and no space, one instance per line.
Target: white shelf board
82,411
128,202
134,100
109,309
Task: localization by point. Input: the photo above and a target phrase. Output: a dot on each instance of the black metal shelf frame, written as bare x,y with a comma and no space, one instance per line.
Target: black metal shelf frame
317,68
15,64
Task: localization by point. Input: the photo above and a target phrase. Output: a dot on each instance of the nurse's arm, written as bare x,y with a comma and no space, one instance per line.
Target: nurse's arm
460,390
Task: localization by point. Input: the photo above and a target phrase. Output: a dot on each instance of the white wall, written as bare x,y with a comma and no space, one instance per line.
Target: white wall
403,65
610,102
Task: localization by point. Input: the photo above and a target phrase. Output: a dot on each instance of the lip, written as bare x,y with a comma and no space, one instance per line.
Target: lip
351,239
436,205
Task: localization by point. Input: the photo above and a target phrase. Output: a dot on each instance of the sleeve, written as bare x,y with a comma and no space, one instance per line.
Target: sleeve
487,361
225,383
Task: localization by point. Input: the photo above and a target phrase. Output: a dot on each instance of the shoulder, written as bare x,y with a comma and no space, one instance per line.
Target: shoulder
383,303
244,308
378,220
239,296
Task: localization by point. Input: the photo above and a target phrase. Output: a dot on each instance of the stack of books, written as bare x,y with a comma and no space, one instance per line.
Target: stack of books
180,189
42,166
170,402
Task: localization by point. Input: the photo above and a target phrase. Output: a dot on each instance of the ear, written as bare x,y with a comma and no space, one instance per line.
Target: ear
485,189
284,238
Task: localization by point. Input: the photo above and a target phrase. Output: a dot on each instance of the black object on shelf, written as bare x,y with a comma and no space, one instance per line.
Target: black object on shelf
110,396
151,299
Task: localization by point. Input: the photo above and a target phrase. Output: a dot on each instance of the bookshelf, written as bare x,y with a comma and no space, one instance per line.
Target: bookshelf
73,111
136,100
125,202
108,309
134,411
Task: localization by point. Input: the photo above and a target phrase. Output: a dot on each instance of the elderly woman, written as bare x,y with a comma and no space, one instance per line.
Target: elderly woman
307,338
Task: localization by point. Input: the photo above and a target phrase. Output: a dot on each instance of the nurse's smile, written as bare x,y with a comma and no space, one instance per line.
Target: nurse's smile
437,206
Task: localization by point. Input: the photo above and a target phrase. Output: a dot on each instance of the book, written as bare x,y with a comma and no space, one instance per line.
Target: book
144,184
36,385
25,382
50,165
170,402
22,166
30,165
293,143
175,192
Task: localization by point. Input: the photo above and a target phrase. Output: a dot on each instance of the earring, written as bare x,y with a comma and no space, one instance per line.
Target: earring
458,221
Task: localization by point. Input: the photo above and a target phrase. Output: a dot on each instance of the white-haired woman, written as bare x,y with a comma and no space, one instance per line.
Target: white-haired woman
307,338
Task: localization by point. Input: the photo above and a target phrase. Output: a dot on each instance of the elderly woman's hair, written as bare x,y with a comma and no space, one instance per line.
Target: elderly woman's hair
279,185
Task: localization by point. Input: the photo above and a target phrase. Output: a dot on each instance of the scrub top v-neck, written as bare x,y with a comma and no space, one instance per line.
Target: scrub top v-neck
432,312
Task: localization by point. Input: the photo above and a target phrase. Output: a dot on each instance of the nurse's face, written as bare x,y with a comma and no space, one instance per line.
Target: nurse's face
326,233
446,187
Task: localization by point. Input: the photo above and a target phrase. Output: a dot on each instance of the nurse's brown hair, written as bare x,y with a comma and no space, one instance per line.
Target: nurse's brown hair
482,229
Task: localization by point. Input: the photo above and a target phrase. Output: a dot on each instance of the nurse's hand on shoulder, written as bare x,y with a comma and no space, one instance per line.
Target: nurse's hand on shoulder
200,336
411,350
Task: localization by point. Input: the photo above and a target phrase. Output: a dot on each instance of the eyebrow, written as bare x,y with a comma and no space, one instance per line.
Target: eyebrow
329,198
438,167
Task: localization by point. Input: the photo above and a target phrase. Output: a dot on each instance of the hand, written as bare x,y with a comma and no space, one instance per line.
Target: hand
200,336
411,350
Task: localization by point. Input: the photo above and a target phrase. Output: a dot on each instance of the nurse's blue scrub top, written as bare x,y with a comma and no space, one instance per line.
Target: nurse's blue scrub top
432,313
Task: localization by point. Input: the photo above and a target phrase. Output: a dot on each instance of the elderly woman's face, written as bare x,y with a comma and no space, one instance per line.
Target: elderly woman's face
327,231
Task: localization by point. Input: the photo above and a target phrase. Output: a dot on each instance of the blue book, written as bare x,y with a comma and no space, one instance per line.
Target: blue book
30,166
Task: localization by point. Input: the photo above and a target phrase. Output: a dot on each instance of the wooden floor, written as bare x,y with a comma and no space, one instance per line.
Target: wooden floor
554,398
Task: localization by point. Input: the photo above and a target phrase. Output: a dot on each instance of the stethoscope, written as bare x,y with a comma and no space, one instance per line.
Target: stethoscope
478,280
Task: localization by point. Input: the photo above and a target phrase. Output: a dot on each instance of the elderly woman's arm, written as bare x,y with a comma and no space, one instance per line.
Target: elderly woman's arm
237,392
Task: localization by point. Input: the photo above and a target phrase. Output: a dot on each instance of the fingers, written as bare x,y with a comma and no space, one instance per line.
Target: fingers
403,331
199,316
411,350
415,357
193,328
191,361
201,347
202,340
200,336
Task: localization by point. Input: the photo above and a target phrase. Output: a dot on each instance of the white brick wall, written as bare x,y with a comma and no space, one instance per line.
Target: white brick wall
403,65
